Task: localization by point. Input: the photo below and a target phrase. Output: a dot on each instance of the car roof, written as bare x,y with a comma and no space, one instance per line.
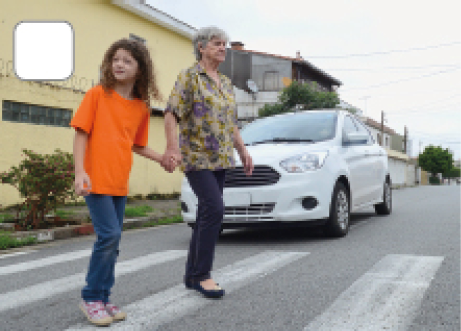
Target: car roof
296,112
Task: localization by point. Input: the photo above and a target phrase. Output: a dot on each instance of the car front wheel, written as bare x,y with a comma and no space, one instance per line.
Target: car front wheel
338,221
385,207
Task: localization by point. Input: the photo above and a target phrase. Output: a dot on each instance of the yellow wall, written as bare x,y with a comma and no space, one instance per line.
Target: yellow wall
96,24
424,178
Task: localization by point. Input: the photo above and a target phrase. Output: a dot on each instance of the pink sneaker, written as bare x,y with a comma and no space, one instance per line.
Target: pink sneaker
96,313
115,312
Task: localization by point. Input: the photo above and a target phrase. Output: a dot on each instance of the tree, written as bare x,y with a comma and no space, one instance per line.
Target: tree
307,95
436,160
452,173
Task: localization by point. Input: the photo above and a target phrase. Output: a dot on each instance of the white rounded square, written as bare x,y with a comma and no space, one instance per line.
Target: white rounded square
43,50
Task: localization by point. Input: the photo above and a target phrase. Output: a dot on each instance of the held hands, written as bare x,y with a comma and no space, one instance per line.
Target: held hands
171,159
82,184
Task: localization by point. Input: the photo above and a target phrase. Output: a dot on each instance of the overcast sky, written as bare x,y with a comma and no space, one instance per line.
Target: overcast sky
399,56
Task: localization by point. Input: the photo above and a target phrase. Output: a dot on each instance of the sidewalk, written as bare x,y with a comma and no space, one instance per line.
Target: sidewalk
162,209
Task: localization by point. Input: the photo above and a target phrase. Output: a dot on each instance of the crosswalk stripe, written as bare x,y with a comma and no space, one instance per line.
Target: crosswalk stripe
165,306
29,265
385,298
48,289
4,256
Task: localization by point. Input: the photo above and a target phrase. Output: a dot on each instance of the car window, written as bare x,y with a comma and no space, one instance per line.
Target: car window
362,128
295,127
349,125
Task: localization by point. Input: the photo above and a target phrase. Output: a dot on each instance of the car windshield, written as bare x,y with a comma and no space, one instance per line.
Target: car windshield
294,128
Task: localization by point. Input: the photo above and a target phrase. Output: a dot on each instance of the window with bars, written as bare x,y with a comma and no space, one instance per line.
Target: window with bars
26,113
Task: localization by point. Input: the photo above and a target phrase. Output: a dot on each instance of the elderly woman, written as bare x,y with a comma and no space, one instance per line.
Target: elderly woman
203,104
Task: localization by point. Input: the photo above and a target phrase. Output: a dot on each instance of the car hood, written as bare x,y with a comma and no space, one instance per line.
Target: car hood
276,152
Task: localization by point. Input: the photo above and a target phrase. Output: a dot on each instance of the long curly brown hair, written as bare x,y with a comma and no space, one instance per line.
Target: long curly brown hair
145,86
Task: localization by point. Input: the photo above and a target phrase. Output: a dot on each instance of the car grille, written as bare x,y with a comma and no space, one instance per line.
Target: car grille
254,209
262,175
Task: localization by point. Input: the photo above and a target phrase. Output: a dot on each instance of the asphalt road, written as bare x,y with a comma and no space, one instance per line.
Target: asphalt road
399,272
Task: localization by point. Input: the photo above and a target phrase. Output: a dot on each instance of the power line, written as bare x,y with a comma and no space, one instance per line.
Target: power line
384,52
392,68
403,80
430,104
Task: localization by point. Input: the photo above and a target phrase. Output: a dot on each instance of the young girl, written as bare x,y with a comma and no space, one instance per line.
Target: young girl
110,123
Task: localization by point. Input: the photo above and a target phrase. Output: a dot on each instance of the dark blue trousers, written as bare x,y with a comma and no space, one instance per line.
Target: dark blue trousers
208,187
107,217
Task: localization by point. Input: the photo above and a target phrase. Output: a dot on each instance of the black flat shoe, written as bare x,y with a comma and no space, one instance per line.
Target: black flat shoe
190,284
212,294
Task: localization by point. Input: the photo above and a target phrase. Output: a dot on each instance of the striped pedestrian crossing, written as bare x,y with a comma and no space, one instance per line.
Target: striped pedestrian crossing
5,256
385,298
45,262
48,289
163,307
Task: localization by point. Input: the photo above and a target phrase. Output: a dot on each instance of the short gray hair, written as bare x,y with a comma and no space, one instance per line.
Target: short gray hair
204,35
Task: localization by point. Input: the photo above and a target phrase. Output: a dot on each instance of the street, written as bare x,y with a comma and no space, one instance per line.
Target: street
397,272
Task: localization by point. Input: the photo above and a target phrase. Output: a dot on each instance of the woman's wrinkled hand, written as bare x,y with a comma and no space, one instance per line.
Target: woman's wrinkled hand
171,159
247,162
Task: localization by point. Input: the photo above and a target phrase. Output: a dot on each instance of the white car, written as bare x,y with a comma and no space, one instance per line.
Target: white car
311,168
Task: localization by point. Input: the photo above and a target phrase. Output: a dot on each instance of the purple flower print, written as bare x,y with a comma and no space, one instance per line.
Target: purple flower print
200,109
183,94
208,86
182,140
211,143
221,118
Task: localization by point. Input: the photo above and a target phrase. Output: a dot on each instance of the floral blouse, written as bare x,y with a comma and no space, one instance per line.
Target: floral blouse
207,116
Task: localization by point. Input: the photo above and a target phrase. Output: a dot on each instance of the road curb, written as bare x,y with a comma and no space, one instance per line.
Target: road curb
71,231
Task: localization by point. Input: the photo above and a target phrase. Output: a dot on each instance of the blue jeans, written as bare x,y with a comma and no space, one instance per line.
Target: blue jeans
107,217
208,187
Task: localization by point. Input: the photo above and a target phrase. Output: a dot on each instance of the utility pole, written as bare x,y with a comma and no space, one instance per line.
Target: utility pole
382,128
405,137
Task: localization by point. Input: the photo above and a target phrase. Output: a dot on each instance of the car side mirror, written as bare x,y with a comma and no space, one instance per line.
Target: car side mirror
356,138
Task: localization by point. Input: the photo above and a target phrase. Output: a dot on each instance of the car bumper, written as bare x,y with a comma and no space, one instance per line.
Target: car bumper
279,203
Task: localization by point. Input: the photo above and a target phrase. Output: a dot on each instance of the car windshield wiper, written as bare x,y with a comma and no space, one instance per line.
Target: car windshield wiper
288,140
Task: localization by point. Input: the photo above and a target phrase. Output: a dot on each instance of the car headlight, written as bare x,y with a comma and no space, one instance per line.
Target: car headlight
304,162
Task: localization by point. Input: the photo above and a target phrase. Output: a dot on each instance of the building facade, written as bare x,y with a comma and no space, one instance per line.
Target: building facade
270,73
35,115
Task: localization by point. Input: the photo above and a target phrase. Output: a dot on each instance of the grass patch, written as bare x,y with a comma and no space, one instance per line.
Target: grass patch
7,241
64,214
4,217
138,211
162,221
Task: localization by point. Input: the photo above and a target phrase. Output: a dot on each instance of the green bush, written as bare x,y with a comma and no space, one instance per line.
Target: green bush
306,95
45,181
434,180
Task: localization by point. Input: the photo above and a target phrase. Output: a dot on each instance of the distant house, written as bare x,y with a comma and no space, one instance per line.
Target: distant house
384,139
270,73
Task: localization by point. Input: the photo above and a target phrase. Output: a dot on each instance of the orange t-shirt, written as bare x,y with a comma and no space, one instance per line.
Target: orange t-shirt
114,124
